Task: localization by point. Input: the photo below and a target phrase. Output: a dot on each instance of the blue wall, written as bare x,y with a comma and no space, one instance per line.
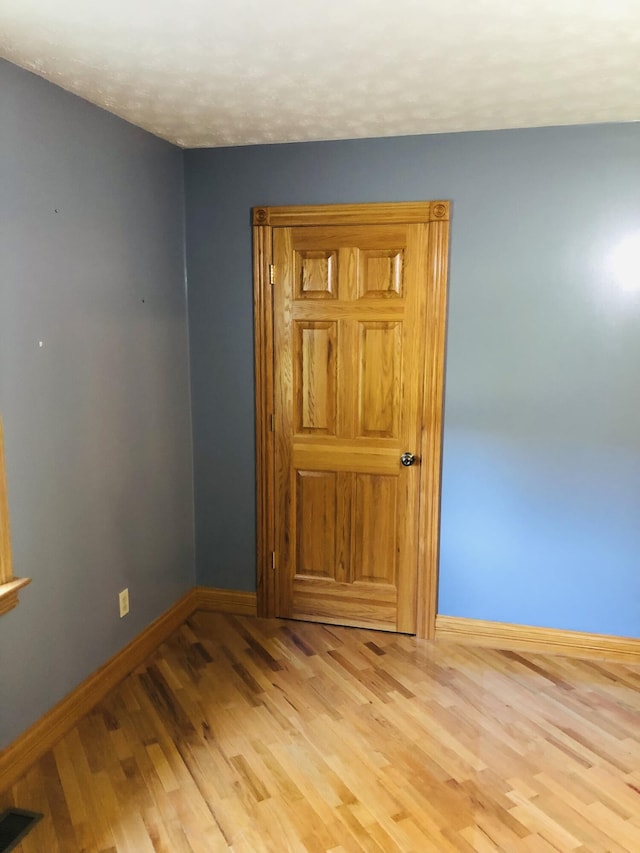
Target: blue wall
541,479
541,472
97,421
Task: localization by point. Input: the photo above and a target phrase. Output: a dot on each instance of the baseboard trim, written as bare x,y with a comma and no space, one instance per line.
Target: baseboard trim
502,635
226,601
45,733
16,759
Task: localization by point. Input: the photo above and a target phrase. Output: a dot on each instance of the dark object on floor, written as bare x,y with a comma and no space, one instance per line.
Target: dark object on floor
14,825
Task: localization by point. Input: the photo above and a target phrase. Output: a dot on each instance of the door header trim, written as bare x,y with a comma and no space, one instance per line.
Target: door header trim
437,215
386,213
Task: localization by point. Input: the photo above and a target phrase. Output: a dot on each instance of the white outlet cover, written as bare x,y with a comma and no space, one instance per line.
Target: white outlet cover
123,601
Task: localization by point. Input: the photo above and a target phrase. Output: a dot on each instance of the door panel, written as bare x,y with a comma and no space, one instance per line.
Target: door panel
316,274
375,501
316,523
379,359
349,347
345,274
381,274
315,349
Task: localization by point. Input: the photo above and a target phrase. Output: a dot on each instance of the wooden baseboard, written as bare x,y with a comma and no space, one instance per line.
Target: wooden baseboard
502,635
44,734
226,601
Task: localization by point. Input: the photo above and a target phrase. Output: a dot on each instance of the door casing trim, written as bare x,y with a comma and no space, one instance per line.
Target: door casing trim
437,215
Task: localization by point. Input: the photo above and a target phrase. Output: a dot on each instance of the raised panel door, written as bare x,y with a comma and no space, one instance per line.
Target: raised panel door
349,351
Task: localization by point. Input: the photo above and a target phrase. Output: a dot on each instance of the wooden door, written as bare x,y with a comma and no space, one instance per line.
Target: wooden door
357,355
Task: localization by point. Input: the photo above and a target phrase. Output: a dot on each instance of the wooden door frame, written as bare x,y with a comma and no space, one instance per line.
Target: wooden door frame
437,216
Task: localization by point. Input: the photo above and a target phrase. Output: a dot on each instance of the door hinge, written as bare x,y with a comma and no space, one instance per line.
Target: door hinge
273,559
272,274
273,422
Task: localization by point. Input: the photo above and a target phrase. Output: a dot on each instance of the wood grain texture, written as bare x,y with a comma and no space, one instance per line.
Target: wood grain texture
52,726
380,274
265,736
263,349
379,360
347,214
41,736
315,274
225,600
502,635
348,295
364,605
374,529
348,400
431,444
318,545
315,377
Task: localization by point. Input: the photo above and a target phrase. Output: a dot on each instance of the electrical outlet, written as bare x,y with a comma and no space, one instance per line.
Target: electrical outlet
123,598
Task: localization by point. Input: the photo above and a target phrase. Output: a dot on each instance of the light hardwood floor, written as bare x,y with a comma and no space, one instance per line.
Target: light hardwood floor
267,735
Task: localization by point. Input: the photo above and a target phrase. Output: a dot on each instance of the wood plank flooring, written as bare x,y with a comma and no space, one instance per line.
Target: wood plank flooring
265,735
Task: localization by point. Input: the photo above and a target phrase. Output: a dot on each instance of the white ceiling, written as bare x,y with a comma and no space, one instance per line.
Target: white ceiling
235,72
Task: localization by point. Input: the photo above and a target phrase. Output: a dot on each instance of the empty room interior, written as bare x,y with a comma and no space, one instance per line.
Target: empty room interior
319,426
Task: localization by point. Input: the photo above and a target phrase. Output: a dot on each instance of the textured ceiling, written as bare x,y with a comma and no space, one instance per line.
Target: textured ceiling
234,72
